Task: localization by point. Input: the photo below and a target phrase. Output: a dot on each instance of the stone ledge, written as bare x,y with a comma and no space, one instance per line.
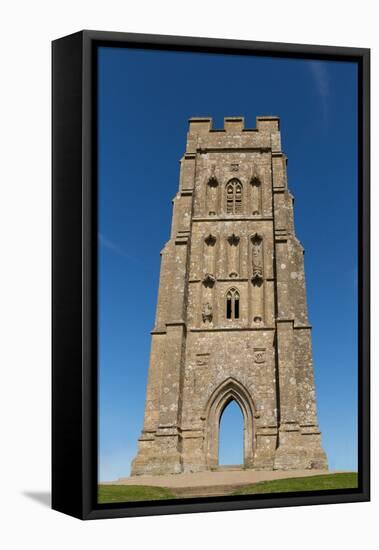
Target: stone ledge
233,219
226,329
238,149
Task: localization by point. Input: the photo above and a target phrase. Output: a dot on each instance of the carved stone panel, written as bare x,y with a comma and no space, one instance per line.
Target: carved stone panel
259,355
209,253
212,194
207,313
256,192
257,259
233,255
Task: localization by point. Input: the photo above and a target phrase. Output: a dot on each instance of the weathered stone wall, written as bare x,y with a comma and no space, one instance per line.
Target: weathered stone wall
232,239
244,356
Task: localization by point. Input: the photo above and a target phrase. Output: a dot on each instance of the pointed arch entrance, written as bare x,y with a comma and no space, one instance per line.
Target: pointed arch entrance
230,440
226,392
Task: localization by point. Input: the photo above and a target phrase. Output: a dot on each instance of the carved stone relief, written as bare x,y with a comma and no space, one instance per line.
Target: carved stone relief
209,280
210,240
207,313
259,355
202,359
257,259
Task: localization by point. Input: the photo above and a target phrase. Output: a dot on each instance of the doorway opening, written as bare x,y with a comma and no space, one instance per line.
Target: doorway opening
231,436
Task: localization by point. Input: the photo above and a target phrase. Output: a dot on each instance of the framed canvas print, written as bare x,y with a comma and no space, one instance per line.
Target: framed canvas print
201,360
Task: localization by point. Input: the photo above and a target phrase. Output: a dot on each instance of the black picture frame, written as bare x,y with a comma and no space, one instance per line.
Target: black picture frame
74,272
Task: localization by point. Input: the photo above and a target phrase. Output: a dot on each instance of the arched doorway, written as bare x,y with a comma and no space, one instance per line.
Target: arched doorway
226,392
230,441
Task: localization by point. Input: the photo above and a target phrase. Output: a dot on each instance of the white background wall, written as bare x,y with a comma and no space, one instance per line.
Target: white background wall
27,29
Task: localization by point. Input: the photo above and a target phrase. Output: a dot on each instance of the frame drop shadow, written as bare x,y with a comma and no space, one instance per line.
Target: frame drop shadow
42,497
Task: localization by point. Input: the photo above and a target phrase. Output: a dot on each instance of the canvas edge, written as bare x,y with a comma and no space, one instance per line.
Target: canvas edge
83,376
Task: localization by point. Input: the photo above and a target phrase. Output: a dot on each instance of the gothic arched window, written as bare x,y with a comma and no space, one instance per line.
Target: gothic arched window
232,304
234,197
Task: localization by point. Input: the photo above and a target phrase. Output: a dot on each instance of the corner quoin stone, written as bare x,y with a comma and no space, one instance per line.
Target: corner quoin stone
231,319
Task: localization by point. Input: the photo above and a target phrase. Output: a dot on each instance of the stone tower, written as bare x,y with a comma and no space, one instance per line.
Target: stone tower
231,320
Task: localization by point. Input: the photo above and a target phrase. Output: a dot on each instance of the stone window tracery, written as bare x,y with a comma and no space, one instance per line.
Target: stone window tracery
234,197
232,304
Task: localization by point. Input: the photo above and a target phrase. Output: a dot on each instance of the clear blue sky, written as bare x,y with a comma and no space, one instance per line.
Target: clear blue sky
145,100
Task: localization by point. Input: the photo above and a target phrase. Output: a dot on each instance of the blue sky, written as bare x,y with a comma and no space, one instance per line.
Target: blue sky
145,100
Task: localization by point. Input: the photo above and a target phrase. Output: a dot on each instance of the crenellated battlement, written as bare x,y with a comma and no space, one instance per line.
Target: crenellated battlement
235,124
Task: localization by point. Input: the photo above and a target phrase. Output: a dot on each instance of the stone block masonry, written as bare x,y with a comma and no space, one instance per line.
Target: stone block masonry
231,320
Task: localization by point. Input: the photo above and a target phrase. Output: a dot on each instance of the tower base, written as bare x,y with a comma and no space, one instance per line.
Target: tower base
159,454
300,450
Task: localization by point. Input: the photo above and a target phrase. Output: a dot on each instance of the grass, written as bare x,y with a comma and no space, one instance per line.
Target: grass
312,483
108,494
